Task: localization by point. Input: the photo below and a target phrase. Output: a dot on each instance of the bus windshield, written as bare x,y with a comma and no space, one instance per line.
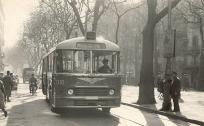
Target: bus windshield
74,61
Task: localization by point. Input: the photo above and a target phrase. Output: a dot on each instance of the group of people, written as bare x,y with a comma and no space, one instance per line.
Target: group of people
170,87
6,84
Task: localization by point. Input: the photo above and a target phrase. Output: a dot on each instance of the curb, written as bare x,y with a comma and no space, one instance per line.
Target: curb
164,114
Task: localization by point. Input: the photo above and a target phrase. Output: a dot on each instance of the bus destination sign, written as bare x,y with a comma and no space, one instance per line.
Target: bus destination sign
83,45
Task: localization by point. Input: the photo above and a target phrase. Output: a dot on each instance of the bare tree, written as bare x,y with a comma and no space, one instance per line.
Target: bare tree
99,8
197,11
120,14
146,86
63,15
193,13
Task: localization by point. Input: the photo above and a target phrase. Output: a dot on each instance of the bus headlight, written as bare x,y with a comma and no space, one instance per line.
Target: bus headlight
111,92
70,91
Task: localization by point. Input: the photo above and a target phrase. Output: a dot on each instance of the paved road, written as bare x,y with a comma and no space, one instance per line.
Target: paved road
27,110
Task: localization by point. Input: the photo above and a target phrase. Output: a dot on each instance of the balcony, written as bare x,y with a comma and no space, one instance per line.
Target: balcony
192,52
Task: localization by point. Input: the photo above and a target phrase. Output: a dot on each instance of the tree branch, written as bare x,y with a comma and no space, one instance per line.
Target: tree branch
139,5
164,12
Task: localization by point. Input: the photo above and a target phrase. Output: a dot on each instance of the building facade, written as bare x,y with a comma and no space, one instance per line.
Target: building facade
1,36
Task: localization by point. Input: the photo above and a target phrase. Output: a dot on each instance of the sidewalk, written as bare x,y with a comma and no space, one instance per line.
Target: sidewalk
192,104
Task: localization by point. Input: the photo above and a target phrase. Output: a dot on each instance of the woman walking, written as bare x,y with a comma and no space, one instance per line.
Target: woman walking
2,98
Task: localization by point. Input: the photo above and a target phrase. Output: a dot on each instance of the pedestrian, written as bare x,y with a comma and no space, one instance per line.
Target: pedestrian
166,105
1,76
2,98
7,81
32,82
175,91
12,81
160,86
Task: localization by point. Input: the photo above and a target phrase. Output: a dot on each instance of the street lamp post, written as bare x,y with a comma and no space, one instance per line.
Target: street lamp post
169,55
168,43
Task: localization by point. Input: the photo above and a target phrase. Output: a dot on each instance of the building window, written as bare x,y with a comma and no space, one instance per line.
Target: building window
195,42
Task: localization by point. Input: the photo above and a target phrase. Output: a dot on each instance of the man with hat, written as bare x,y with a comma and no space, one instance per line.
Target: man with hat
175,91
8,85
2,98
105,68
166,106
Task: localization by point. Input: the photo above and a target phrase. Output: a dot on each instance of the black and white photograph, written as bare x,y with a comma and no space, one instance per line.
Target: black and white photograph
101,62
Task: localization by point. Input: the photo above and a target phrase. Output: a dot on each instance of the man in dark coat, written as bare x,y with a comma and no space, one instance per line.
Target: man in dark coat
1,76
32,82
2,98
8,85
175,91
105,68
166,105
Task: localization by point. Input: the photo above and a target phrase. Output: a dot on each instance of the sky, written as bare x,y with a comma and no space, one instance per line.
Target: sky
16,13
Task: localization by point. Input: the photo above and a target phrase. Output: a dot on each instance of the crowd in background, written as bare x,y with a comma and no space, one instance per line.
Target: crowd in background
7,84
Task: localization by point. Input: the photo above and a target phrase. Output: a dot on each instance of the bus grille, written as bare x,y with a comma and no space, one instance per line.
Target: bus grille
91,92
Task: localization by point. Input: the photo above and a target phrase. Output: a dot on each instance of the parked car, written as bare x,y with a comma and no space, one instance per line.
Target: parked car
27,72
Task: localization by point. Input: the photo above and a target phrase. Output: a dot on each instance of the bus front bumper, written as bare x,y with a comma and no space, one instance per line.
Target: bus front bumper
87,102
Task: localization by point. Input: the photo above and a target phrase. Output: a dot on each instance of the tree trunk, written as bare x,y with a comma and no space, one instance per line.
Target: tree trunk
76,12
200,84
156,58
97,14
95,18
146,85
117,29
94,25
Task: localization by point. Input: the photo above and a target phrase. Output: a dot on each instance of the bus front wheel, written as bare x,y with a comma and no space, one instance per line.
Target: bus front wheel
56,110
53,109
106,110
48,96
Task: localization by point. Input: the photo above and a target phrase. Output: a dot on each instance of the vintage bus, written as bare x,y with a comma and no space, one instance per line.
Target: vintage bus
27,72
82,72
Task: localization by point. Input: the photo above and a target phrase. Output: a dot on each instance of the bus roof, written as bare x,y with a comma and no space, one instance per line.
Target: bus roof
72,44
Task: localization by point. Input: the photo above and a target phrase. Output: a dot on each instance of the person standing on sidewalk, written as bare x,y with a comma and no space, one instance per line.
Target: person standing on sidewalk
2,98
1,76
33,82
166,105
175,91
8,85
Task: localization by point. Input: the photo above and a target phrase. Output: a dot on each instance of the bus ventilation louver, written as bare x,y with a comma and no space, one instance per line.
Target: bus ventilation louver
91,35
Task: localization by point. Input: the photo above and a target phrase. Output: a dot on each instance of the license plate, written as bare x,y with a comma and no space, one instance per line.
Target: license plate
91,98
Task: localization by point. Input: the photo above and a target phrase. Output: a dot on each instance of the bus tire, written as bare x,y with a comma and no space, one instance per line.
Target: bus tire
106,110
47,98
53,109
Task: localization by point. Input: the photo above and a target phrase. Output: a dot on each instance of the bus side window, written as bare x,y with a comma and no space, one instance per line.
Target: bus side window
67,61
59,61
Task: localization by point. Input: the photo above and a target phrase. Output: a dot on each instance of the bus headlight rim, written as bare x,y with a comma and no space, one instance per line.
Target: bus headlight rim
70,91
111,92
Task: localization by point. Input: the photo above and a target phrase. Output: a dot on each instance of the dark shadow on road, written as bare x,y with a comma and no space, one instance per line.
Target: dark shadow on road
37,113
89,117
179,122
152,120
